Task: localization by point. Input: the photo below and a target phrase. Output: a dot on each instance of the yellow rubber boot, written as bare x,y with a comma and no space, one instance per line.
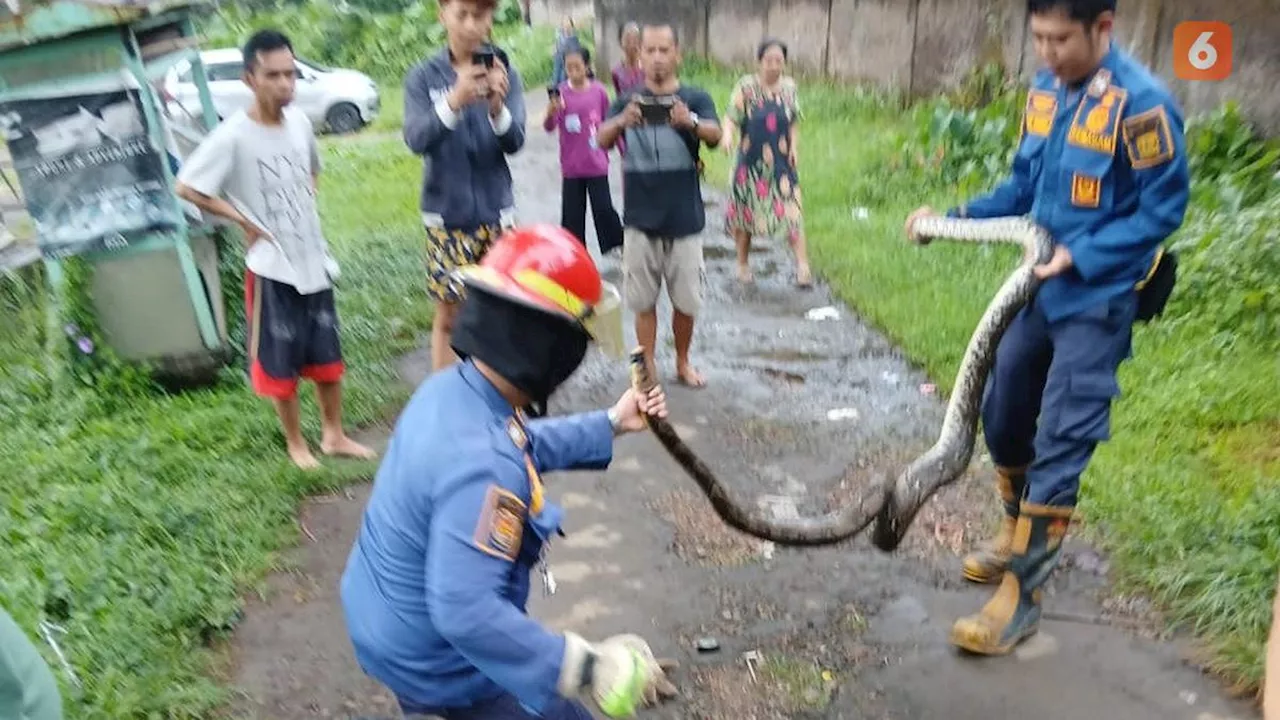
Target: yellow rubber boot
1013,613
987,563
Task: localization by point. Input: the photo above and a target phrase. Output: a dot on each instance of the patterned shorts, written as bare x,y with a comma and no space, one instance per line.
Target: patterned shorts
449,249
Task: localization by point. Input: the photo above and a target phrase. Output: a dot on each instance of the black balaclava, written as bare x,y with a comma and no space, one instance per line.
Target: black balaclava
532,349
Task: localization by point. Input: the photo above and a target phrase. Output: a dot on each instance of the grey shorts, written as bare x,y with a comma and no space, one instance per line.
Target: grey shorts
647,261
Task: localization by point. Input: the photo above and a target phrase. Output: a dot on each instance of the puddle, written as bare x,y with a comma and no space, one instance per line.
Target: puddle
789,355
784,375
720,252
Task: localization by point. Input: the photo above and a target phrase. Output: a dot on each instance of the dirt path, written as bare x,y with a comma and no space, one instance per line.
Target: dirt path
844,632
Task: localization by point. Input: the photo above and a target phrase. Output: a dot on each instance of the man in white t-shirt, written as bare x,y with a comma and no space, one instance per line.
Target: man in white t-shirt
257,169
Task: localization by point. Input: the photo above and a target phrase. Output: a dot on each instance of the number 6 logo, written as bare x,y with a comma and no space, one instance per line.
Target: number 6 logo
1202,50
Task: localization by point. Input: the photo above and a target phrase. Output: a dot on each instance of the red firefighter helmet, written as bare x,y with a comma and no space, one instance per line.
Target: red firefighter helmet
544,266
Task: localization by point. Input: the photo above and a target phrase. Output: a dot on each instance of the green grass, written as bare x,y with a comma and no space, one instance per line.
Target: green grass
137,521
1187,492
139,531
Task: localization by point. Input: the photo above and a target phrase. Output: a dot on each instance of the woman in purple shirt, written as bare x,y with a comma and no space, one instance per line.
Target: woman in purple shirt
577,108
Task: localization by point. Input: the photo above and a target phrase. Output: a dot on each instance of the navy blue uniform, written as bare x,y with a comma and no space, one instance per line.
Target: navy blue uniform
1103,168
436,585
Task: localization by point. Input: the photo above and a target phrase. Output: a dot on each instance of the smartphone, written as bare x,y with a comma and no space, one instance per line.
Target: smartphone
483,56
656,110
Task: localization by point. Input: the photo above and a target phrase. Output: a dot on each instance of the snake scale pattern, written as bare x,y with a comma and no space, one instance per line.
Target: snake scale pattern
892,506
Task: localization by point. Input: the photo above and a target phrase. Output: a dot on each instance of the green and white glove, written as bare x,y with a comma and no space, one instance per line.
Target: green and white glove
660,686
613,674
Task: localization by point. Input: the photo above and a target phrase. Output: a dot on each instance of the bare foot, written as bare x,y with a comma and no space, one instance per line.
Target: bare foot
302,457
804,278
346,447
744,274
688,376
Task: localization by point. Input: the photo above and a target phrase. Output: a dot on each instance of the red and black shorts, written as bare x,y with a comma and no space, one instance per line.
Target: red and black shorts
290,336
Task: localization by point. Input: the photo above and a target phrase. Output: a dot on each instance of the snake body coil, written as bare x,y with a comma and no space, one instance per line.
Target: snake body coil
894,505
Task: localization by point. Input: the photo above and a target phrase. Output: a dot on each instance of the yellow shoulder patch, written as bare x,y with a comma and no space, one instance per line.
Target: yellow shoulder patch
500,527
1148,138
1038,115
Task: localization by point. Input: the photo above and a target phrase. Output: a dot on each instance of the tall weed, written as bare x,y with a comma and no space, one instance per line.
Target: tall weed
384,45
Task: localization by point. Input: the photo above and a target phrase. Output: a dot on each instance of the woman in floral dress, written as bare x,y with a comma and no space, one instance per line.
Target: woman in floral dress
761,126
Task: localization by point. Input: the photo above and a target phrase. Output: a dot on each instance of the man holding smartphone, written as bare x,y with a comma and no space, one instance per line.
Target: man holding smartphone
664,125
464,115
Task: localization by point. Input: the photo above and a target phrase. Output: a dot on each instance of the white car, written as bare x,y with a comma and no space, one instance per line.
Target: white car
341,100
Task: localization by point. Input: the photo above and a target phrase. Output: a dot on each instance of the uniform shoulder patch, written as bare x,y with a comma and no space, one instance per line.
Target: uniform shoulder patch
1148,138
1039,112
500,527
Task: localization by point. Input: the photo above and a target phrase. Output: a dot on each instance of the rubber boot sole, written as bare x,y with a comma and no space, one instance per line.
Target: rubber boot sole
992,576
989,651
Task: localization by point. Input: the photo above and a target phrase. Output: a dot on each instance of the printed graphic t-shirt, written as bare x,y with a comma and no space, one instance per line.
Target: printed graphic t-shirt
583,112
266,173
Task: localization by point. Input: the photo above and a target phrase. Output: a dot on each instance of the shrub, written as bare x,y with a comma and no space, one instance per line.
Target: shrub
384,45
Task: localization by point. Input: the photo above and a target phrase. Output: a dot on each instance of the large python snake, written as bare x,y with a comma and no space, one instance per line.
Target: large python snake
892,505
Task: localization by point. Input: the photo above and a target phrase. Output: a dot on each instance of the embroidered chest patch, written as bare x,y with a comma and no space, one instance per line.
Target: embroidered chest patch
500,527
1085,191
1096,123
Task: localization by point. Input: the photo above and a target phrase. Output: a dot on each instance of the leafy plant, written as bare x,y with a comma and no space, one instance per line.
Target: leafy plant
383,43
105,382
1231,165
135,519
1227,277
965,140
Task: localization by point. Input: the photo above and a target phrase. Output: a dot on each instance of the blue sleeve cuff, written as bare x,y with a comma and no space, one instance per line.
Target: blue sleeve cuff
601,451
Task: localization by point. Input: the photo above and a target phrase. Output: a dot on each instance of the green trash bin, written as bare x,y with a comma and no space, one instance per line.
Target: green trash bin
95,150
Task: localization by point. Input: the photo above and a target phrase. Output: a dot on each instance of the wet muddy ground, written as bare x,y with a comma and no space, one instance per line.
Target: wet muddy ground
842,632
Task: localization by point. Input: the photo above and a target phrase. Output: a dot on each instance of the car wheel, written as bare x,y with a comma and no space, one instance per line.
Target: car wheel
344,118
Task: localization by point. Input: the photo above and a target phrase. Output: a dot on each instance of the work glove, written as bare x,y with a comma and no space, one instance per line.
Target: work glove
614,674
660,687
